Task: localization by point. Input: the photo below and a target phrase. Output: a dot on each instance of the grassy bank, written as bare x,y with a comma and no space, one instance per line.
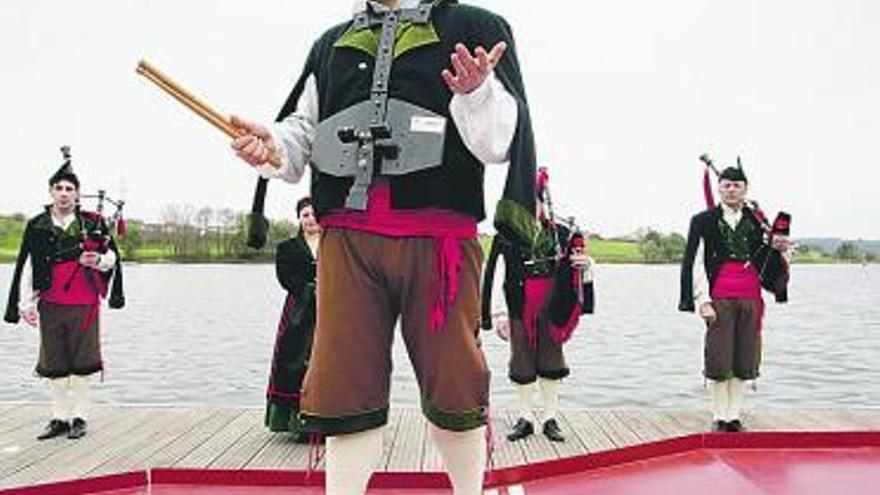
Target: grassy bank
605,251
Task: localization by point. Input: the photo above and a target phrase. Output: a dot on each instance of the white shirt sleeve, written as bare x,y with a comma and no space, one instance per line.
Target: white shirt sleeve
499,299
27,297
294,137
589,273
486,119
700,279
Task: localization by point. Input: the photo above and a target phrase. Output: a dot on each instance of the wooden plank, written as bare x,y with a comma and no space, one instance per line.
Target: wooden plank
504,452
12,414
203,455
26,450
82,455
843,419
406,453
172,424
431,460
589,432
617,430
281,452
252,442
662,423
691,421
870,418
572,446
25,416
536,448
211,420
636,422
129,438
389,438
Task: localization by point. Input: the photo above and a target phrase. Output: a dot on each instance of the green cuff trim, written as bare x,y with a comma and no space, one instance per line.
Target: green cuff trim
512,218
409,37
280,417
454,421
342,425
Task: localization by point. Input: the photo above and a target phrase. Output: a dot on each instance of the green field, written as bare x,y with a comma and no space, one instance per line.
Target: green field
602,250
609,251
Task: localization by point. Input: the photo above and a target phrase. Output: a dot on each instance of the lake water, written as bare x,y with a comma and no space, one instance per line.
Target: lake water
203,334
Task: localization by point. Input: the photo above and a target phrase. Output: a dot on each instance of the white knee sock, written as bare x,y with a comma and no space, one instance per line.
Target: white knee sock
464,455
550,396
60,401
351,460
737,393
720,399
524,400
80,386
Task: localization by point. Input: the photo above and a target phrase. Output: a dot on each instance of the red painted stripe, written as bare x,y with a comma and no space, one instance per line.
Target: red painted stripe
497,478
84,486
233,477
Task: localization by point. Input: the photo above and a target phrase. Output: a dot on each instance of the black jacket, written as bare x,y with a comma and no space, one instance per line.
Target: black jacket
42,244
705,226
515,273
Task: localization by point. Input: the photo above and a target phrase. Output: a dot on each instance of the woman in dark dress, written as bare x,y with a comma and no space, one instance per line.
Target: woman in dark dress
295,267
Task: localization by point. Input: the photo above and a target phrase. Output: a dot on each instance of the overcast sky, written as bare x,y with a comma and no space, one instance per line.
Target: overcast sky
626,94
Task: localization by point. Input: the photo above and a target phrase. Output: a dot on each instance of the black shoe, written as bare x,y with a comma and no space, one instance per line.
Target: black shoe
552,431
77,429
735,426
719,426
55,428
521,429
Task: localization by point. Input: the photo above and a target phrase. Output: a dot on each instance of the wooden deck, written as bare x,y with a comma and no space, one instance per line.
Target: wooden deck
133,438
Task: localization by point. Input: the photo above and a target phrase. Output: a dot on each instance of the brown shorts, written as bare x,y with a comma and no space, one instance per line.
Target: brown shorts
365,282
528,363
733,343
65,347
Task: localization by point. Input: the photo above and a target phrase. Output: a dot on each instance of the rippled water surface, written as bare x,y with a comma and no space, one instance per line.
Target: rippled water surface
203,334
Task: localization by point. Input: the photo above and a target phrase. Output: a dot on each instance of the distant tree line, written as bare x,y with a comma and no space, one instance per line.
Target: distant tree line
189,233
657,247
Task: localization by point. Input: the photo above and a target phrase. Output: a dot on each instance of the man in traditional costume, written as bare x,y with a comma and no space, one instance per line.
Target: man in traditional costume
66,261
546,290
397,111
296,269
731,252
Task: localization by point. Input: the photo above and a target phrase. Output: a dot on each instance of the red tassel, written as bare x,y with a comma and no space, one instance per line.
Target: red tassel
707,191
541,182
121,227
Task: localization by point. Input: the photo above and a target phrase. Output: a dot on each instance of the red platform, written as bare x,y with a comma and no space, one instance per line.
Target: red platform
778,463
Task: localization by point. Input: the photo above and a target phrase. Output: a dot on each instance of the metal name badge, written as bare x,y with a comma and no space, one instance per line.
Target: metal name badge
433,125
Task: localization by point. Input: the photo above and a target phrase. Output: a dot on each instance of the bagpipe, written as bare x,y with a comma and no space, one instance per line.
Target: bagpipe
565,243
771,265
567,296
97,230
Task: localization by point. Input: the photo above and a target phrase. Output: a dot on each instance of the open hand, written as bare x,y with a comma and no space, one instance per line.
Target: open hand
31,317
89,259
707,312
781,243
469,71
579,259
255,145
502,328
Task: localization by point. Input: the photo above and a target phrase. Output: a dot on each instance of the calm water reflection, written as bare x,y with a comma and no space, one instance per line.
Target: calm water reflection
203,334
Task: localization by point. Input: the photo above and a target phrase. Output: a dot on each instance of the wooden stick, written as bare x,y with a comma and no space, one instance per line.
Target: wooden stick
195,104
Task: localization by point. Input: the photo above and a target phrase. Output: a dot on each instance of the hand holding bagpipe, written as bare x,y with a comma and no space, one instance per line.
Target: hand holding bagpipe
252,142
768,259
